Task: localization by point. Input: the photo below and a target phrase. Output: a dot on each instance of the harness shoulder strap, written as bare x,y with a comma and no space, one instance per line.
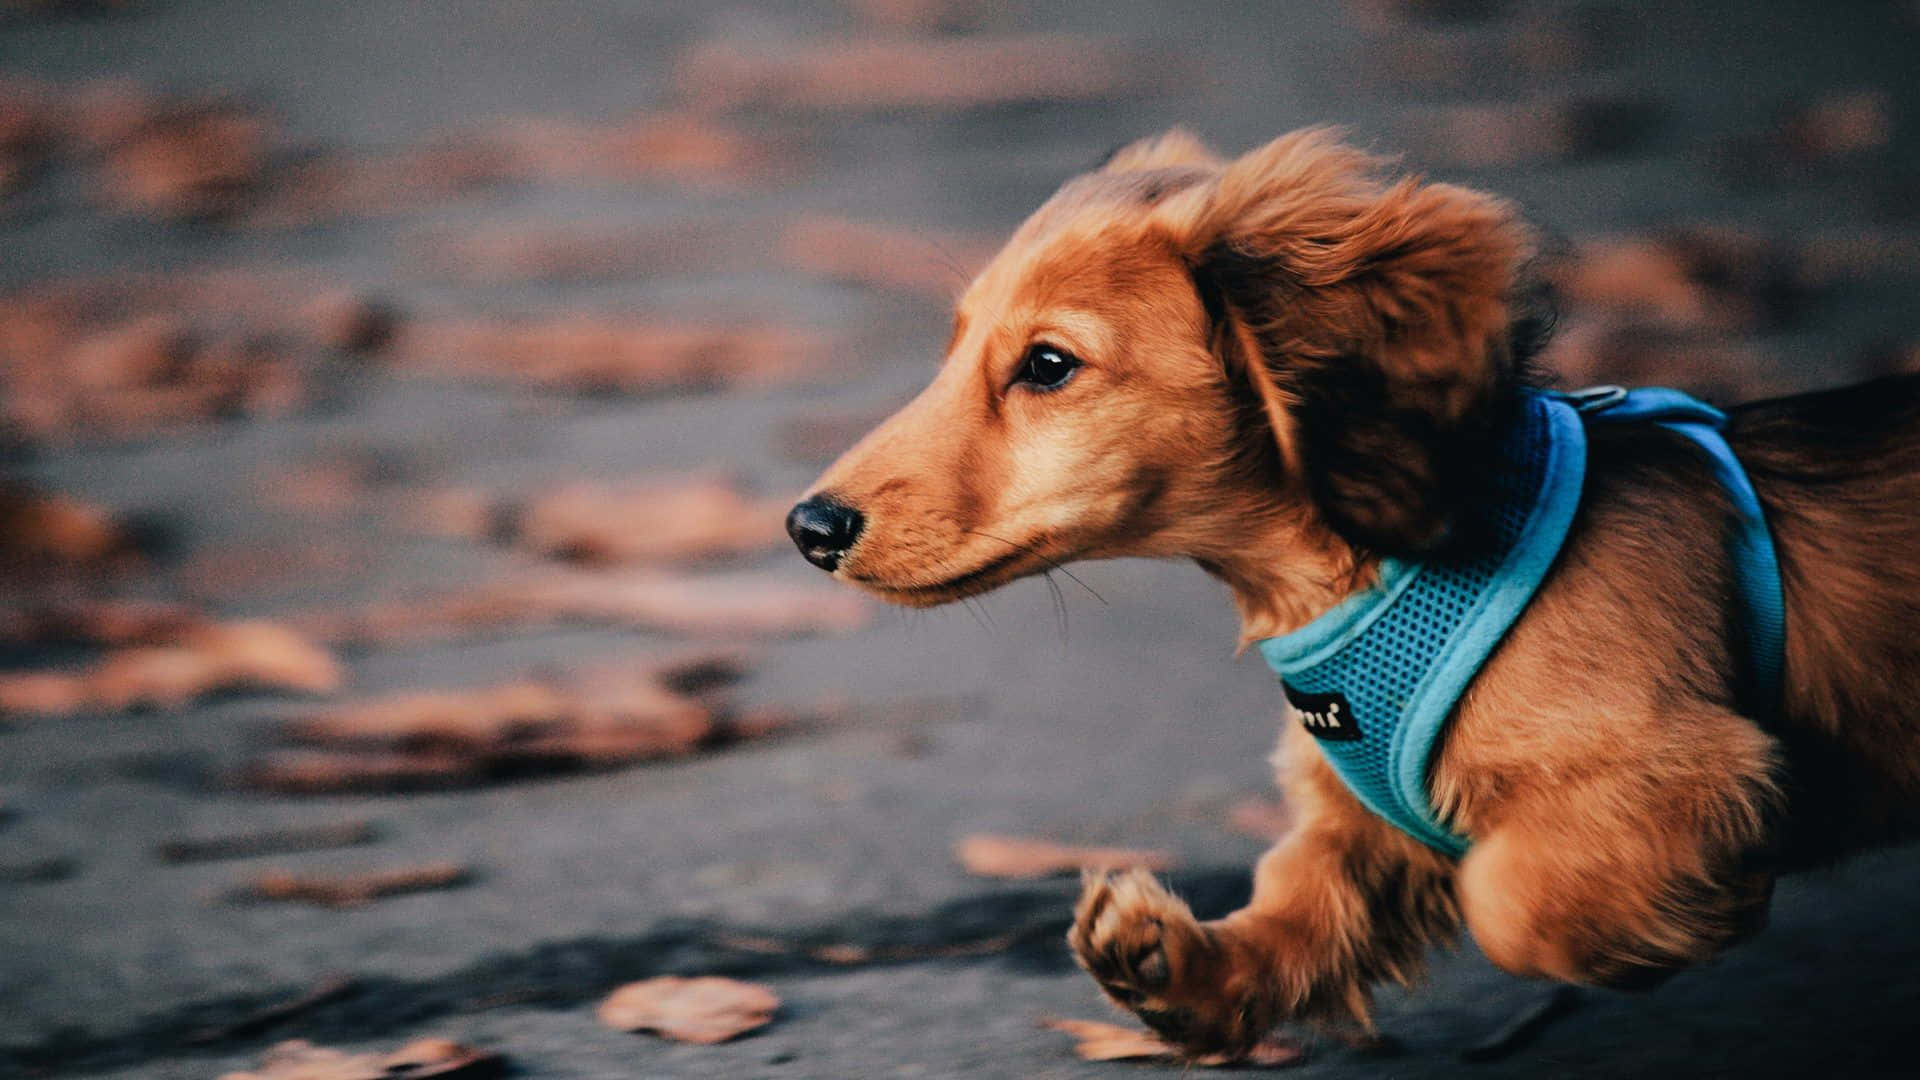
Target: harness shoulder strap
1756,565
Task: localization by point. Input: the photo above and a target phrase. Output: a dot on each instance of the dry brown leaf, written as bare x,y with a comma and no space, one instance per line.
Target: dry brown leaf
317,772
349,321
188,159
1100,1041
42,531
707,1009
926,262
889,71
603,355
718,606
1510,58
1590,351
1702,279
1839,125
711,606
1022,857
593,719
566,253
698,518
233,570
458,513
681,147
28,122
1510,133
440,1059
685,146
352,890
1260,817
203,659
131,354
43,693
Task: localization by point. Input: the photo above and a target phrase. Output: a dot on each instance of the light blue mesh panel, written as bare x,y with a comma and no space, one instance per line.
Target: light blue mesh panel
1380,670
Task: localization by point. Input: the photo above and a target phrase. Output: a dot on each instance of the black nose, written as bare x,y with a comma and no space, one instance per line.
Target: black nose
824,529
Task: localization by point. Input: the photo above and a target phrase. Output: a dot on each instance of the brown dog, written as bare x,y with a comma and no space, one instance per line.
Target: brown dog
1286,368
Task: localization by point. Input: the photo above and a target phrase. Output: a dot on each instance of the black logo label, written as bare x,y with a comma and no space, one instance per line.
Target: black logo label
1325,716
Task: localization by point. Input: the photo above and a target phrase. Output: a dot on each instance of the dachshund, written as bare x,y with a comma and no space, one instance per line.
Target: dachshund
1290,367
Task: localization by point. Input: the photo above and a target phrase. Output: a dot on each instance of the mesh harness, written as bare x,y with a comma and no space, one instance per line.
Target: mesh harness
1376,677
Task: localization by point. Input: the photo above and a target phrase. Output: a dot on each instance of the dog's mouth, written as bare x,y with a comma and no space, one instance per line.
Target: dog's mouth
984,578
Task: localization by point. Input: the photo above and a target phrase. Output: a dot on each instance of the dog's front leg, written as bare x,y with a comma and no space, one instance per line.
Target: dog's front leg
1342,902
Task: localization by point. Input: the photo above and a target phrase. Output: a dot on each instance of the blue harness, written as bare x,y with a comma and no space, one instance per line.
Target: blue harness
1376,677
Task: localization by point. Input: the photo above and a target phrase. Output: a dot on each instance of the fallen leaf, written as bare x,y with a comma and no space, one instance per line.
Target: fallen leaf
1537,130
706,1010
27,125
350,321
1022,857
1590,351
188,159
1841,124
1260,817
313,772
1812,138
717,606
590,719
576,253
890,71
203,659
241,570
351,890
47,531
100,623
699,518
597,355
683,147
1716,280
440,1059
925,262
1100,1041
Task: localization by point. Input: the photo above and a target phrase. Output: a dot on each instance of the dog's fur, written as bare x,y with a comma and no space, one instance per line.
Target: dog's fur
1294,367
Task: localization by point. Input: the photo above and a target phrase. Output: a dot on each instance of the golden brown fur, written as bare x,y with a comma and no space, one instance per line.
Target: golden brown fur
1293,367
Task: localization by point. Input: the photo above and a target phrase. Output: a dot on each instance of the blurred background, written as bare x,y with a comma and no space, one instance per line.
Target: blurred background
399,400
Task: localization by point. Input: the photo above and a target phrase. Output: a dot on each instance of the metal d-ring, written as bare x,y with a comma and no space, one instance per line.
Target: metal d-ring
1593,399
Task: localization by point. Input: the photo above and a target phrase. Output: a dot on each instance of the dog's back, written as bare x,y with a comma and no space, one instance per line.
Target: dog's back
1839,473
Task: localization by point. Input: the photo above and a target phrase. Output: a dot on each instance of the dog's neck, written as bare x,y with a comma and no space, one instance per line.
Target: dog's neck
1283,575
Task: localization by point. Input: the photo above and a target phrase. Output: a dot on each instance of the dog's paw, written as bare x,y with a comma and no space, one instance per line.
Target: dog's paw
1194,984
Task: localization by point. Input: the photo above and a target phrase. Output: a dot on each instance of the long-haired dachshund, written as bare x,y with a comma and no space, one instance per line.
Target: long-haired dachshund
1290,368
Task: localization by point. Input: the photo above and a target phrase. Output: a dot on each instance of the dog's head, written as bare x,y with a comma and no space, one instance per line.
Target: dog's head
1179,355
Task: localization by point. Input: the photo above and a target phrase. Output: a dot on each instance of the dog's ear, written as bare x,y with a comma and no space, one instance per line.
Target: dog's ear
1176,148
1370,319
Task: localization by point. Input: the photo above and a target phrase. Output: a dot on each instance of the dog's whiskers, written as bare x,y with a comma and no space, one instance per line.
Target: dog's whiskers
1051,564
1059,604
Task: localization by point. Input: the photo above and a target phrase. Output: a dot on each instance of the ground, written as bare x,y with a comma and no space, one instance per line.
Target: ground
1127,720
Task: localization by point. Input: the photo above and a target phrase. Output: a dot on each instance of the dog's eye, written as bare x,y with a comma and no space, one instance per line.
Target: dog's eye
1047,368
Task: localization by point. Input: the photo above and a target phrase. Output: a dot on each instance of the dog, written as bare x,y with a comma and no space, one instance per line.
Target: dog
1289,368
